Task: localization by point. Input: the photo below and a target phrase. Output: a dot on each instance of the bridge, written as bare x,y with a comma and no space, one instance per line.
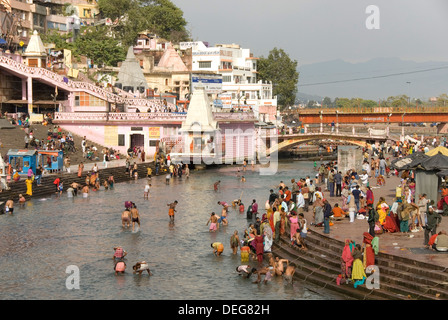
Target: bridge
287,141
418,114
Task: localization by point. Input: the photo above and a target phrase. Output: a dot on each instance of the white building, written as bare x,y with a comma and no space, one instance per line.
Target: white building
240,86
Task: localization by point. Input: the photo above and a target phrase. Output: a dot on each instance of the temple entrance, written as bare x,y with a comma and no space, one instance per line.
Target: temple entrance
137,140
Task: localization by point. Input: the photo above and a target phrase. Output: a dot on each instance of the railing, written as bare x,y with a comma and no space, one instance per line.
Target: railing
238,116
118,116
70,85
346,132
378,109
146,116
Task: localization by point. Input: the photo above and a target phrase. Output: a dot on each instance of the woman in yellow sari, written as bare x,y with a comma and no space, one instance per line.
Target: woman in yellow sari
382,209
358,272
29,186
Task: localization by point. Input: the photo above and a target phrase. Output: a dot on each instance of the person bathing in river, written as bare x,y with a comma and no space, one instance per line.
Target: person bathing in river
135,216
213,220
126,218
141,266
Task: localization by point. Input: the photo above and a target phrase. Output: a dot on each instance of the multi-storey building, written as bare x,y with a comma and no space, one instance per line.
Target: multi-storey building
20,18
240,86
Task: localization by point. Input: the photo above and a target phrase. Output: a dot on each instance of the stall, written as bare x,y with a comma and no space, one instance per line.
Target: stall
51,160
22,160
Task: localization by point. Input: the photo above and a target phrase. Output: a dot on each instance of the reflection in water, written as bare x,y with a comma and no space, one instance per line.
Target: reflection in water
40,240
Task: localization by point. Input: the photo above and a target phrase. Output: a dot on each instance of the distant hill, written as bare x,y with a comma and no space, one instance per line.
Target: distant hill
423,84
304,98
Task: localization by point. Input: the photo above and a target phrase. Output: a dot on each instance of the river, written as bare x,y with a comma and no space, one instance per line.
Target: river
49,234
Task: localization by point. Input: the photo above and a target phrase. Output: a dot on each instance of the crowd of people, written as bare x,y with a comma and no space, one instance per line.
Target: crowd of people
316,201
331,196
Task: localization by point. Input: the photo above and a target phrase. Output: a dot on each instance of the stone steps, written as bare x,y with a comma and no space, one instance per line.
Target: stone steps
400,274
399,279
48,188
319,274
14,139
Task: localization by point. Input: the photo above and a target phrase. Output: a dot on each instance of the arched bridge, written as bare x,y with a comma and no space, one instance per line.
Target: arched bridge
289,140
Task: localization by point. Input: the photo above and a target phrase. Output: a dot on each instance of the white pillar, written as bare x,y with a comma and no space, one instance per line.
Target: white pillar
30,94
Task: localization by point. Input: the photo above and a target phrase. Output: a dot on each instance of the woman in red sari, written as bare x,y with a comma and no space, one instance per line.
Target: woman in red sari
259,248
390,224
369,254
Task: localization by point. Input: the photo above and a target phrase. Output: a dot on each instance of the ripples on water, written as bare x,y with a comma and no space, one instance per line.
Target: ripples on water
46,235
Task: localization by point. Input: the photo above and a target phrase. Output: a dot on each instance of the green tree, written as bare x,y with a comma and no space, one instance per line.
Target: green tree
369,104
133,16
326,102
282,72
397,101
60,41
342,103
102,50
442,100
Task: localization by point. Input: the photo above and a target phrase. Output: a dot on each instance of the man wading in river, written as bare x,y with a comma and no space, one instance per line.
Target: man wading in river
172,209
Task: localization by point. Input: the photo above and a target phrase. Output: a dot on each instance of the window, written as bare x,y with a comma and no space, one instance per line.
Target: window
205,64
226,78
121,140
153,143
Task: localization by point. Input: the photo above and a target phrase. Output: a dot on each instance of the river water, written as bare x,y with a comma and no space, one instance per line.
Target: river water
47,235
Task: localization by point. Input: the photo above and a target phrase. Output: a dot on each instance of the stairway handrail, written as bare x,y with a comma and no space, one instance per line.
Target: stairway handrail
68,84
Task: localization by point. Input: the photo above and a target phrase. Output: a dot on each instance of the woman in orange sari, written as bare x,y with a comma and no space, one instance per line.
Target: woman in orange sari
80,168
282,221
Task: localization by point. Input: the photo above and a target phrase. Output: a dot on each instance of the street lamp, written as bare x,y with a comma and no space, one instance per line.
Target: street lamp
388,125
321,125
402,124
337,121
409,91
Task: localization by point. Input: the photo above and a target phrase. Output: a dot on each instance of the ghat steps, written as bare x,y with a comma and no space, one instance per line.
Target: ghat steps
400,278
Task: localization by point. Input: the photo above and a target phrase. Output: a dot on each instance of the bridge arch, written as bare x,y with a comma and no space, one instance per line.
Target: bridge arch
285,142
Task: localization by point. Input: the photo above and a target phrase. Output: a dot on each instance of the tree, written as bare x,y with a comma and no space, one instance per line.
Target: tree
442,100
326,102
282,72
369,104
342,103
102,50
133,16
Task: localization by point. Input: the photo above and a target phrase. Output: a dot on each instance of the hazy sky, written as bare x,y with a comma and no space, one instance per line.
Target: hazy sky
321,30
